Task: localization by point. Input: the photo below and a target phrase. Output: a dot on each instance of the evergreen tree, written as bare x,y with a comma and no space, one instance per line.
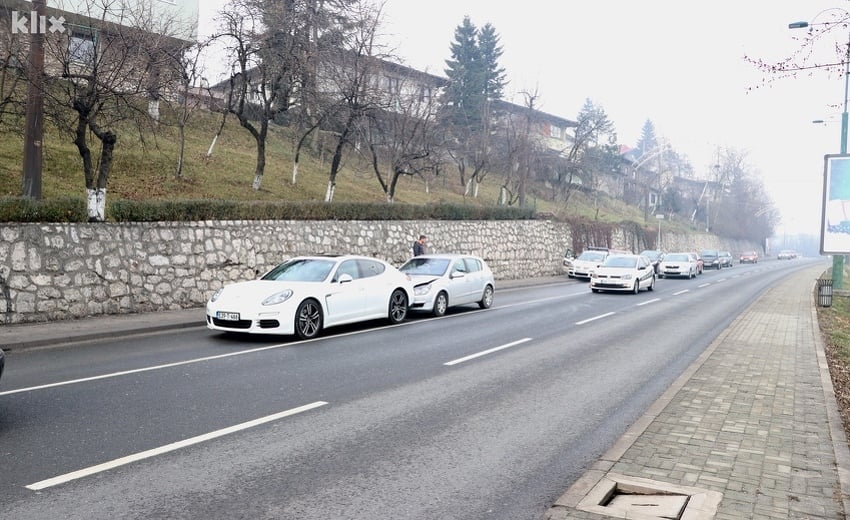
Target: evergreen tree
648,142
490,52
464,94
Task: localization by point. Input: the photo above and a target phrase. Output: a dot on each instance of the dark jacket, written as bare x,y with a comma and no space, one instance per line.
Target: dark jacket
418,248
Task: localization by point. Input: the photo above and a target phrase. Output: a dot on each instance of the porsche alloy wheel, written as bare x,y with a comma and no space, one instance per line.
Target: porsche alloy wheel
308,319
398,306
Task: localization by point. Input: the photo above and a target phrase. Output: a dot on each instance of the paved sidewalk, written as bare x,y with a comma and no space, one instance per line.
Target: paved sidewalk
750,431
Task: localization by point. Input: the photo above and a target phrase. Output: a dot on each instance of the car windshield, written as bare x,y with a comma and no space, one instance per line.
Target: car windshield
592,256
708,253
677,257
301,270
652,255
426,266
620,261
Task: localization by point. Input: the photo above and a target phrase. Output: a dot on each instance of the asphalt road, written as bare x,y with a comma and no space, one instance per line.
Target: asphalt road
480,414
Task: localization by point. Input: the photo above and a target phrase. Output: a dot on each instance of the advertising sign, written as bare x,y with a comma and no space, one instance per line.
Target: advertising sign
835,212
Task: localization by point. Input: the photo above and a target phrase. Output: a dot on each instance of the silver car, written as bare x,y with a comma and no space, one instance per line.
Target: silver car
441,281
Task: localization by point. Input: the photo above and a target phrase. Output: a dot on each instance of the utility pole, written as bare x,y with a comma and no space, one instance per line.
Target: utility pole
34,130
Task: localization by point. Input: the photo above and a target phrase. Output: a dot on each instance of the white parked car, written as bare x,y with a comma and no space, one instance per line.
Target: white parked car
304,295
448,280
623,273
679,265
585,263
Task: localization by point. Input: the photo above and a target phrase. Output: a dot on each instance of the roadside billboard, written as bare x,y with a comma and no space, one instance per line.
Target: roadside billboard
835,211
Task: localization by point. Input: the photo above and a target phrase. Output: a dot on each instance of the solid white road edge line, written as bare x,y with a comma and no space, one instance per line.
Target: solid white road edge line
588,320
484,353
61,479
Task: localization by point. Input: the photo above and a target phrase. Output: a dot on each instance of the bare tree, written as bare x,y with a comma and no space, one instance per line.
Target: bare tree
263,41
521,150
188,68
469,147
111,60
403,140
352,70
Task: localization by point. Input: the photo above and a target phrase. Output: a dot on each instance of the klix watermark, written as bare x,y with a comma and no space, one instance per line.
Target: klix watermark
32,23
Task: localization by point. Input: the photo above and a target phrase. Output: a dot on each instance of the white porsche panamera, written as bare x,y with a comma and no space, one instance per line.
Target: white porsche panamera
307,294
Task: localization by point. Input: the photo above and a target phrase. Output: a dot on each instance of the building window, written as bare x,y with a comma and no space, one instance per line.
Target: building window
425,94
81,47
390,85
556,132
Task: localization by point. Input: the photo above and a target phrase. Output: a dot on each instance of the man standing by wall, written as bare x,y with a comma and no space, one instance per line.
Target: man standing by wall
419,246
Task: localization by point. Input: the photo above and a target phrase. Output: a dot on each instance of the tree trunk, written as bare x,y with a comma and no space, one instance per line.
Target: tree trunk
181,149
335,163
217,133
261,163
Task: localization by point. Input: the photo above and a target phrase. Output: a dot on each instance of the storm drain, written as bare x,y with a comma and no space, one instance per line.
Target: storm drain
618,496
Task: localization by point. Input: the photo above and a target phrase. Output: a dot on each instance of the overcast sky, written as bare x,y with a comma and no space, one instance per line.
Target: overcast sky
676,63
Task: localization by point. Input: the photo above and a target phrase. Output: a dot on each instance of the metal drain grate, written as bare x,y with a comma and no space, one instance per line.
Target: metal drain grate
619,496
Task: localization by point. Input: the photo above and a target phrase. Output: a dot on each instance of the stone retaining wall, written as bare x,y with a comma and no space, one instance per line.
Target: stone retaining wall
64,271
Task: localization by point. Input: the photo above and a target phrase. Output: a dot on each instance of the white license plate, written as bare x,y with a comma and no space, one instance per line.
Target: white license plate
227,316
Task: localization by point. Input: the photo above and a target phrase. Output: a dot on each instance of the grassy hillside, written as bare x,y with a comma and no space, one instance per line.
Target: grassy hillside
145,164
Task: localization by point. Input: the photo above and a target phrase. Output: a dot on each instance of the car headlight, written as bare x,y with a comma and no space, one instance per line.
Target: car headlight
279,297
627,277
216,294
422,290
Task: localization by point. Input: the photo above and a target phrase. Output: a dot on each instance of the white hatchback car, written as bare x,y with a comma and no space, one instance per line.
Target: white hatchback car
623,273
306,294
441,281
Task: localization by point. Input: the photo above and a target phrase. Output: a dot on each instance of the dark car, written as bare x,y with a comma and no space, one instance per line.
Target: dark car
655,257
711,259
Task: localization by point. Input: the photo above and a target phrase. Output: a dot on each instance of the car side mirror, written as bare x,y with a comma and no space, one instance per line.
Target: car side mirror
457,274
345,278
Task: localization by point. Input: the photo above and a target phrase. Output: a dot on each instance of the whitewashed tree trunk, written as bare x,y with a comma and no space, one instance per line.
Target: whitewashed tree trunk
329,194
427,186
153,109
475,190
502,196
96,204
294,173
212,145
258,181
467,187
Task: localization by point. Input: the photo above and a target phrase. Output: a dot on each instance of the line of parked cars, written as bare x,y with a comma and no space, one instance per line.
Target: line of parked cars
616,270
304,295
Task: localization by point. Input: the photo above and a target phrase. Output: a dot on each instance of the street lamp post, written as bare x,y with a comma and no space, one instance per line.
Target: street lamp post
837,260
